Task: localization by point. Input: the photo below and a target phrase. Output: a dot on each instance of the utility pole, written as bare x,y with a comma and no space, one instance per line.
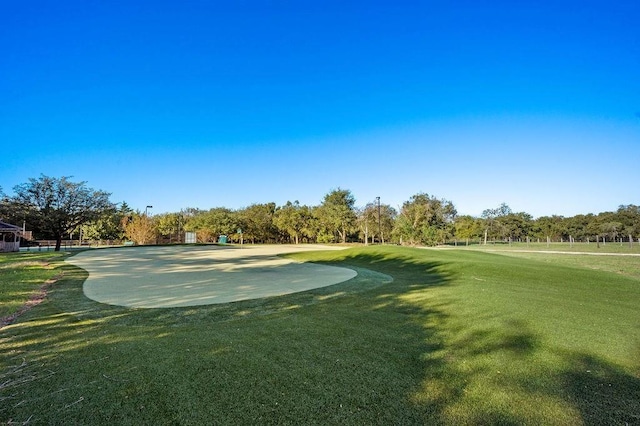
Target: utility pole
379,227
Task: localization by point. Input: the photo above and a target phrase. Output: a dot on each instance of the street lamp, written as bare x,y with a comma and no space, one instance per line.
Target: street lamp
146,208
379,227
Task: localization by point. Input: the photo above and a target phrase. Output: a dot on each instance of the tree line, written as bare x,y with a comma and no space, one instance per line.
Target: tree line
55,208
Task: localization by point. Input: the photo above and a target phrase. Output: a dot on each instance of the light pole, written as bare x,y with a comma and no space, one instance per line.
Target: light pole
146,208
379,227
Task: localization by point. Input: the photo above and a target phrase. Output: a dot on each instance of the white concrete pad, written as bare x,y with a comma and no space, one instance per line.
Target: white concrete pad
177,276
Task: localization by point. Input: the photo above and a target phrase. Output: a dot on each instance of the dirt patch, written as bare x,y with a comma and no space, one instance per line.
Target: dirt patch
34,300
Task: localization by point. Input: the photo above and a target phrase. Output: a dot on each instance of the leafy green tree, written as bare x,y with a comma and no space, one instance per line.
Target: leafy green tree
425,220
388,217
516,226
468,227
169,225
313,228
367,220
376,221
612,230
608,225
7,211
503,223
494,228
629,216
337,215
208,225
257,222
593,229
57,206
577,226
109,226
293,220
552,227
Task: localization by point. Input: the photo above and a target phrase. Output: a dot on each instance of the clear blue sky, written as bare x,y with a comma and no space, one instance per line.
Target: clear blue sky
204,103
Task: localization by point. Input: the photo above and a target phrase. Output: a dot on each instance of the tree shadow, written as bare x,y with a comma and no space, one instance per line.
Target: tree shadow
522,377
602,392
377,349
340,338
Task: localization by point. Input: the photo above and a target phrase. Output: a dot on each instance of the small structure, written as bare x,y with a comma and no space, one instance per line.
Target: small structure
190,238
10,237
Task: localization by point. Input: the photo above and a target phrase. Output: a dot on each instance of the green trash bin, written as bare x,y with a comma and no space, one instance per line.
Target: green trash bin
222,239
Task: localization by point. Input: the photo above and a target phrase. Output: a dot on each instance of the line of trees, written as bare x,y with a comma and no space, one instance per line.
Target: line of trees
56,207
502,224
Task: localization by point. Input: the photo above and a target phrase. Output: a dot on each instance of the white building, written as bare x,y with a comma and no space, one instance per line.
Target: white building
9,237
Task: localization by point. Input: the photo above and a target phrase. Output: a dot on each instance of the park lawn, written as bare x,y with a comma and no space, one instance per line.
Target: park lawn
22,276
458,336
622,265
579,247
625,262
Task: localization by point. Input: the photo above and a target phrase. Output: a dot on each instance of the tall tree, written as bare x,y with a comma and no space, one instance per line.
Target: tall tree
293,219
551,227
337,213
516,226
577,226
425,219
629,216
57,206
388,217
170,225
140,228
376,220
468,227
109,226
257,222
493,226
5,207
208,225
367,219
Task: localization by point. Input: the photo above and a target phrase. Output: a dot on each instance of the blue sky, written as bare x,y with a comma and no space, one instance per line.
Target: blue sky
205,103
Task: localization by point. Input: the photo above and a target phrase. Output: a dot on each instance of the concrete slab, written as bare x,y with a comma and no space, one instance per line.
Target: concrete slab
178,276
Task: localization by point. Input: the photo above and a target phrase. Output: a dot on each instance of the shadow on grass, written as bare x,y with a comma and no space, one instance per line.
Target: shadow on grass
345,354
506,377
367,351
497,374
603,393
499,371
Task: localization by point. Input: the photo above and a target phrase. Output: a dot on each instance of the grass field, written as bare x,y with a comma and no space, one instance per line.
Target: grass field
578,254
592,247
458,336
21,277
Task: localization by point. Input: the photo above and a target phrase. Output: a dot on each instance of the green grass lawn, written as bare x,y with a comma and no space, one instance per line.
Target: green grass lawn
22,275
592,247
458,336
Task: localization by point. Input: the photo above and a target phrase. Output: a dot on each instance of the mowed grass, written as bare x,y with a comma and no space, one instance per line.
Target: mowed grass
580,247
22,275
458,336
612,257
615,264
